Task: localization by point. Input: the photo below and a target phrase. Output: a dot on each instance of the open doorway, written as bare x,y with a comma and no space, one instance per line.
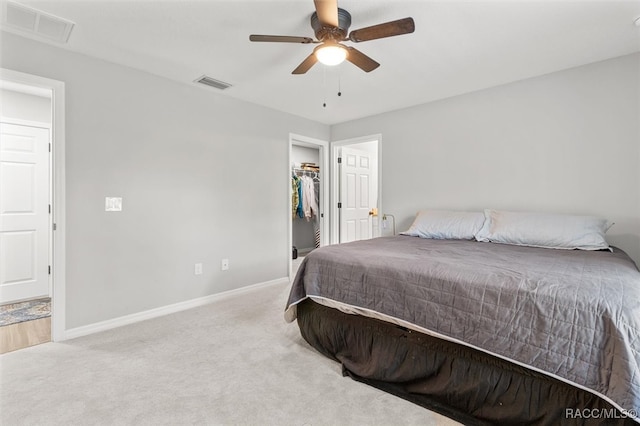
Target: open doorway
31,209
308,181
25,221
356,189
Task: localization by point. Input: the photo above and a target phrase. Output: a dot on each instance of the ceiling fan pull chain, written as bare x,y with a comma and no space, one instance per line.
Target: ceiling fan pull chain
324,87
339,84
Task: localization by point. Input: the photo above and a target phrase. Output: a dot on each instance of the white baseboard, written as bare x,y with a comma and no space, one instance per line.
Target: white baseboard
165,310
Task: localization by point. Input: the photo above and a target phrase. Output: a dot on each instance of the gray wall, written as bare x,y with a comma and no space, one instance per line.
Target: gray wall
198,185
566,142
183,159
24,106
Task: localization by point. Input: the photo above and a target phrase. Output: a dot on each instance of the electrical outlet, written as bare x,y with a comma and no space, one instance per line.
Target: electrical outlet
197,270
224,264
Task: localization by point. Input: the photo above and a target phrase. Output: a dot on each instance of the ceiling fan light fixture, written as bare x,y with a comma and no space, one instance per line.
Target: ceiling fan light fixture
331,54
331,27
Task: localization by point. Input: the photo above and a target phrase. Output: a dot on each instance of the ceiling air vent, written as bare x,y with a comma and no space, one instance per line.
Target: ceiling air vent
32,22
212,82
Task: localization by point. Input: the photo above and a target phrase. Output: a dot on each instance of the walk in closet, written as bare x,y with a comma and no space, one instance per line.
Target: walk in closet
305,199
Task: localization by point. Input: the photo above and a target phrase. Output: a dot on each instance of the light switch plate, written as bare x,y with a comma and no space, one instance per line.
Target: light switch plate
113,204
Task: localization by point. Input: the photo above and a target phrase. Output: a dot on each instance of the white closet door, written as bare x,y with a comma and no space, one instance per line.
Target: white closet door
24,212
356,180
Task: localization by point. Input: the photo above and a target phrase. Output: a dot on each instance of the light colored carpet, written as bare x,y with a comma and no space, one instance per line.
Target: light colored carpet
234,361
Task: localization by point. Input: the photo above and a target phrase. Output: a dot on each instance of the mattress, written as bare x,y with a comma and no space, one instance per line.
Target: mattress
571,315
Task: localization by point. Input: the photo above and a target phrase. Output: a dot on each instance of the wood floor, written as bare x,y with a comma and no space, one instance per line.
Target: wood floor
24,334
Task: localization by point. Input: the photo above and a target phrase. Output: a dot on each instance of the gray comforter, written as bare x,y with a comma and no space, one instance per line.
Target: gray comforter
572,314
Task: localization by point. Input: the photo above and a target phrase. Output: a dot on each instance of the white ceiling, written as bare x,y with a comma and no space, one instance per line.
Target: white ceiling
457,47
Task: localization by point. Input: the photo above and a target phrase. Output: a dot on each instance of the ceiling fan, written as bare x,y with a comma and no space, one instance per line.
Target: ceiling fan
331,26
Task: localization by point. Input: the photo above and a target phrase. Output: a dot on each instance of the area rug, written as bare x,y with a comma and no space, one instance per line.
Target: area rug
24,311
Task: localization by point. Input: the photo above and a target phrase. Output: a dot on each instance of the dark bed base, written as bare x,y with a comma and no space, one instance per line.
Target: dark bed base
462,383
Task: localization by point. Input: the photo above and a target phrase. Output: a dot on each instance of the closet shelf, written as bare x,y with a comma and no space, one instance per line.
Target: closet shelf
299,172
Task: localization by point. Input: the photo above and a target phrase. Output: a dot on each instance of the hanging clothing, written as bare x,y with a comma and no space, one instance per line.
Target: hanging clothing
316,223
316,195
295,194
300,208
309,204
316,234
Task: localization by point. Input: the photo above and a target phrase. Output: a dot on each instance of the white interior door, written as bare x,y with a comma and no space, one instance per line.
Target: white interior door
24,212
355,189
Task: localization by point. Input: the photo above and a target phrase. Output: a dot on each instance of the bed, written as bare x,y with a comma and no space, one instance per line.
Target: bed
484,333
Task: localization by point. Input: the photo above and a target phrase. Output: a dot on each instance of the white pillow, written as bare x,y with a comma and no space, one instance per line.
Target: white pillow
544,230
446,225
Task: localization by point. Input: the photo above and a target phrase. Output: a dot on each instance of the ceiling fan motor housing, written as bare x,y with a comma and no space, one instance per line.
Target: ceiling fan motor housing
327,32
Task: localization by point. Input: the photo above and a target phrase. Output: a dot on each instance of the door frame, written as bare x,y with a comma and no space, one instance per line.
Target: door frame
57,185
323,148
335,180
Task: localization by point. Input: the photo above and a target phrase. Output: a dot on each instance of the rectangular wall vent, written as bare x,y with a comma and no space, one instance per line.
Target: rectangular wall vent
29,21
212,82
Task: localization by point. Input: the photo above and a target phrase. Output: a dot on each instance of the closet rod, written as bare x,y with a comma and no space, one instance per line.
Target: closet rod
296,170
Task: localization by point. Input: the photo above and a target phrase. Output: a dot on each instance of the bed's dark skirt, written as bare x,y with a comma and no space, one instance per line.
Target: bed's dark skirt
459,382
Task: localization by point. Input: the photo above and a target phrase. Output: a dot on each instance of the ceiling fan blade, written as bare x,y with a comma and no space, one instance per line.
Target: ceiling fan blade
361,60
306,64
280,39
327,11
388,29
